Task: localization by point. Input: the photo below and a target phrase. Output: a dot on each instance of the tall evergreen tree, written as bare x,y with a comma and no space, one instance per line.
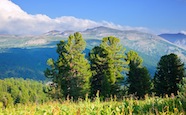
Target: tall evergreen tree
138,76
170,71
107,64
71,71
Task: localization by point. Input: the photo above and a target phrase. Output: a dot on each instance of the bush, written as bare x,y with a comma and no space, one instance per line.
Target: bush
5,99
182,92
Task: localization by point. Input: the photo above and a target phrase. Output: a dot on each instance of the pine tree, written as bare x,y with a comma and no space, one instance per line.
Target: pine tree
138,76
107,64
71,71
170,71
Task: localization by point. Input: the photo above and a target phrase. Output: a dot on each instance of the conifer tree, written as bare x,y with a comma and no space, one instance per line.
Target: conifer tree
71,71
170,71
138,76
107,64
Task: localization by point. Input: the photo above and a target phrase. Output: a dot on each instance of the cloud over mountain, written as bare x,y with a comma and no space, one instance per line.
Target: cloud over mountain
183,32
16,21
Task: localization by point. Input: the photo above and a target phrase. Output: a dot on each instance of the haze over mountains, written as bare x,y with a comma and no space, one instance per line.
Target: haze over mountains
177,38
26,56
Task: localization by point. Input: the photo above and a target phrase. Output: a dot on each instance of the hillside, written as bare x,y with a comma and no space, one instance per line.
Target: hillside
150,47
26,56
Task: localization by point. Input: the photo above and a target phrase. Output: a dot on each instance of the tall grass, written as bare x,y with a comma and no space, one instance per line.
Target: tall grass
127,106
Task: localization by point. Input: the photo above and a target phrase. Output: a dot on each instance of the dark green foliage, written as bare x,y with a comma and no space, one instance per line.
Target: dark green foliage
71,72
98,64
138,77
15,91
107,64
182,88
170,71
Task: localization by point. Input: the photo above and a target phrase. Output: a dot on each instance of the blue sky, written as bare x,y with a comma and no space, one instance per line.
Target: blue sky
155,15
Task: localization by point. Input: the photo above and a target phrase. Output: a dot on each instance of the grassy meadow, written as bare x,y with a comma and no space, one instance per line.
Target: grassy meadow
127,106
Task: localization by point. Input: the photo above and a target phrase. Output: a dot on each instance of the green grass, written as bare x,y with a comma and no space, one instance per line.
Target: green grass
127,106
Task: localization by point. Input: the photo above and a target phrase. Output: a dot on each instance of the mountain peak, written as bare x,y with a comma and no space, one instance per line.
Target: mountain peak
174,34
52,32
102,29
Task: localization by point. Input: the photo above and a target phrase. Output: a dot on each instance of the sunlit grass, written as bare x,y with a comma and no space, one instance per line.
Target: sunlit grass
128,106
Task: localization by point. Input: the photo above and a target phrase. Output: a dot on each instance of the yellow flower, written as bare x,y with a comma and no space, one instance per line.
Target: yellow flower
175,110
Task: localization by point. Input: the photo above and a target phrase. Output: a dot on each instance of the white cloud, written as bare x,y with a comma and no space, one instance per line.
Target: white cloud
72,23
115,26
183,32
16,21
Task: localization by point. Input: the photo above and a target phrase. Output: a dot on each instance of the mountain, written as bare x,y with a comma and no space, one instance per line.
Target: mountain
29,62
150,47
173,37
179,39
52,33
26,56
25,63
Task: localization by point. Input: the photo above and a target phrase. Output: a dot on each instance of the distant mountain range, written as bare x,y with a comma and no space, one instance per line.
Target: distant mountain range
179,39
26,56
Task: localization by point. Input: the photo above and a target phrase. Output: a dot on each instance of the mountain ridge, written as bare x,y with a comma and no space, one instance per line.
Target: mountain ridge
178,39
33,56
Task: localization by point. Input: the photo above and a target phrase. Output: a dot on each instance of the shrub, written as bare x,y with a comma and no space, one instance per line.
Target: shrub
182,92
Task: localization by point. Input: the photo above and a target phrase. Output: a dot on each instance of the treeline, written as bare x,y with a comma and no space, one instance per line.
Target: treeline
109,70
18,90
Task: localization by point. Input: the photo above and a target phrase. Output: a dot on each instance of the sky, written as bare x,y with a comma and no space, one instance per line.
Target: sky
40,16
